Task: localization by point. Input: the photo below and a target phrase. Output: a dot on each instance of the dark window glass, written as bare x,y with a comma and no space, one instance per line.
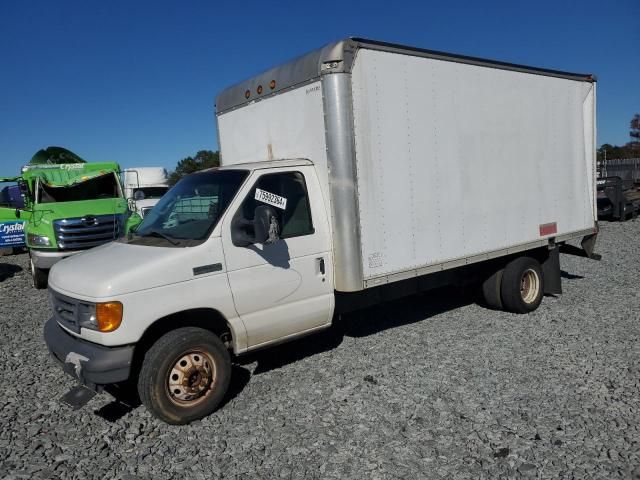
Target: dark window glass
295,219
149,192
103,186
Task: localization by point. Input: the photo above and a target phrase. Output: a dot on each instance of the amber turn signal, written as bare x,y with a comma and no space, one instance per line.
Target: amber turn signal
108,316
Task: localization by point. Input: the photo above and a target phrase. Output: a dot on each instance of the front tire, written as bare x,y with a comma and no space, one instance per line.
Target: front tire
522,285
184,375
39,277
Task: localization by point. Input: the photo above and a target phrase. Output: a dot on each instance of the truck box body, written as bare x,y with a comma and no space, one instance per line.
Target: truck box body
429,160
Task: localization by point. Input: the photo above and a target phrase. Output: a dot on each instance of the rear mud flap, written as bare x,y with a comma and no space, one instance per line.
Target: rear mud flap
588,244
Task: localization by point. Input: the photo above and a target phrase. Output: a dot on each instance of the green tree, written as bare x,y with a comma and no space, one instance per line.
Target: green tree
634,131
628,150
203,159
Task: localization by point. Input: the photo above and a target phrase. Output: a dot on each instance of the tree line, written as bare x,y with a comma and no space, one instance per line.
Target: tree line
630,149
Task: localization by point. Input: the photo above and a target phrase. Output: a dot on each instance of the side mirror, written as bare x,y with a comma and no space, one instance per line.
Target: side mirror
265,225
263,229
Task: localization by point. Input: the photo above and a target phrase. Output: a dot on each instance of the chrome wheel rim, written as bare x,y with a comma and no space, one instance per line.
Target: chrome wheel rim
191,378
529,286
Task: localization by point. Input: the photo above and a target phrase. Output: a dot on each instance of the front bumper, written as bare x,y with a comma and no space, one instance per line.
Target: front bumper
88,362
46,259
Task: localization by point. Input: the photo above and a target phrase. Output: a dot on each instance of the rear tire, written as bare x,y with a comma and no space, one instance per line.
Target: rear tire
522,285
491,290
39,277
184,375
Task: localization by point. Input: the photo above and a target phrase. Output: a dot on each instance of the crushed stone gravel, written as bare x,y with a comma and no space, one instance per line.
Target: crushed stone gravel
433,386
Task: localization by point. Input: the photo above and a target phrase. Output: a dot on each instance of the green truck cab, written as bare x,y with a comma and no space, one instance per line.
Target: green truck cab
70,207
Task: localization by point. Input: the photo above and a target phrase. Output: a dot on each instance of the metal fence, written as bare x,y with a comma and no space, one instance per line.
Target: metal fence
625,168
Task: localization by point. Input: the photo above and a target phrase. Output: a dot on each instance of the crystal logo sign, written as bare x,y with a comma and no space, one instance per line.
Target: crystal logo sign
12,234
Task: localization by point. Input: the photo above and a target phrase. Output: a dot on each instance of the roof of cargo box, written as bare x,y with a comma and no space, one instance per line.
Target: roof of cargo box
338,57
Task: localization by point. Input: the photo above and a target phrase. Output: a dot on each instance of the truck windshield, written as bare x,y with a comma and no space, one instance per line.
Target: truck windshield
149,192
103,186
192,208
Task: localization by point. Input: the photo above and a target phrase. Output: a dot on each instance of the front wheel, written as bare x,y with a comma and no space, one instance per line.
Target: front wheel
39,277
184,375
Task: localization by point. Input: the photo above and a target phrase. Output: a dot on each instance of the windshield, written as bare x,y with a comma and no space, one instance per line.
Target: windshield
10,197
149,192
192,208
103,186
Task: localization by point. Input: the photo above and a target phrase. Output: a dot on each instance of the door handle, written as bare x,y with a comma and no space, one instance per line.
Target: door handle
321,268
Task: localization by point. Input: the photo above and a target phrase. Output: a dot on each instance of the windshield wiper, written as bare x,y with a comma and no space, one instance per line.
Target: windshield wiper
155,233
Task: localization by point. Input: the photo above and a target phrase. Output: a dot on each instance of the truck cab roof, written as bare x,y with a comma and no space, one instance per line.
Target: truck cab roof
287,162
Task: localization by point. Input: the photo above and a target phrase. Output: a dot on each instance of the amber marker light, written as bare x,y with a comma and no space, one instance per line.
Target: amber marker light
247,94
259,90
272,84
108,316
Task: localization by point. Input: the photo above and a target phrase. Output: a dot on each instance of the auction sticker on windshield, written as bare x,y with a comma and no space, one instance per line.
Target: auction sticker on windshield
271,199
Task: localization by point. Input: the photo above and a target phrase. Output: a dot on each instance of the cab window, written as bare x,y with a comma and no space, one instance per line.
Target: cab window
287,193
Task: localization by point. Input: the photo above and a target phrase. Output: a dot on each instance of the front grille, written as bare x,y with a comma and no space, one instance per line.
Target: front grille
88,231
65,311
145,210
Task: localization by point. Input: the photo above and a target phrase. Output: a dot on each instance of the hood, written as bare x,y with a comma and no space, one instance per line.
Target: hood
119,268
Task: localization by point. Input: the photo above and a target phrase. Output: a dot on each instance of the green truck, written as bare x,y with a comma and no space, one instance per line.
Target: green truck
11,228
70,206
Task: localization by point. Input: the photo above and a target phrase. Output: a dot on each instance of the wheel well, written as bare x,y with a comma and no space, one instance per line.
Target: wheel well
205,318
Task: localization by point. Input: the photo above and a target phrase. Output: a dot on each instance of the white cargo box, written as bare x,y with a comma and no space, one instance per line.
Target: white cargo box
428,160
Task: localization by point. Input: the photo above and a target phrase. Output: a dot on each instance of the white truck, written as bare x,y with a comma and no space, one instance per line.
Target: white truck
144,186
360,172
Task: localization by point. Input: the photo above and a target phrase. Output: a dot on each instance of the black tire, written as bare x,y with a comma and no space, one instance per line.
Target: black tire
491,290
522,285
161,365
39,277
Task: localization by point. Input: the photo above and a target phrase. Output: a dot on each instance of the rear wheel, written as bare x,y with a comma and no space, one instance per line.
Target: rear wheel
39,277
184,375
491,286
522,285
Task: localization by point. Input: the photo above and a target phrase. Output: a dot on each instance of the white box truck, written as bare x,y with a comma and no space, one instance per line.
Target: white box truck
357,173
144,187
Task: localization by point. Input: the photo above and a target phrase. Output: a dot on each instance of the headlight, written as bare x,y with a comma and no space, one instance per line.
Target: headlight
104,317
38,240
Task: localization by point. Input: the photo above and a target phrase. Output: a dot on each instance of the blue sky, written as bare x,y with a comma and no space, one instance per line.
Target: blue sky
135,81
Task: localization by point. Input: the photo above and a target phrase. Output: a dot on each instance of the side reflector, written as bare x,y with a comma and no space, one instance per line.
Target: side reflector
548,229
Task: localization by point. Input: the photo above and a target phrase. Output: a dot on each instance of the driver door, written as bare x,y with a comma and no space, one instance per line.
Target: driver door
285,288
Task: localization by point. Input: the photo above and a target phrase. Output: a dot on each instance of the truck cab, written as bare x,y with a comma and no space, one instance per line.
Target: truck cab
240,255
73,207
144,187
12,217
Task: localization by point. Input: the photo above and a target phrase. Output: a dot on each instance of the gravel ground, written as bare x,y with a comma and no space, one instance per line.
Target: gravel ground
429,387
